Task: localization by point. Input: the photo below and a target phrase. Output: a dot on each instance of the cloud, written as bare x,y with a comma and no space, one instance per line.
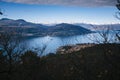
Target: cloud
68,2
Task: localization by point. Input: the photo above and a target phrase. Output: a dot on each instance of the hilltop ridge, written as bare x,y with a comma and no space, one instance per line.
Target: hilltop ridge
63,29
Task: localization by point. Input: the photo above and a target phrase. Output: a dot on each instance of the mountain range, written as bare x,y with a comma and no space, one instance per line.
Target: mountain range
99,27
25,28
32,29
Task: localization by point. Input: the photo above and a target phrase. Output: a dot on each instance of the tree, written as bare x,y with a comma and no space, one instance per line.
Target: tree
118,17
1,13
30,57
11,50
103,35
118,6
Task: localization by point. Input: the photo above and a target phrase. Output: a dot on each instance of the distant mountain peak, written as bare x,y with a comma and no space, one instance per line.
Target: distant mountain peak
5,19
64,24
21,20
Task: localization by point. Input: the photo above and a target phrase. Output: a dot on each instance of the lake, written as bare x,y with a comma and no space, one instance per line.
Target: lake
53,43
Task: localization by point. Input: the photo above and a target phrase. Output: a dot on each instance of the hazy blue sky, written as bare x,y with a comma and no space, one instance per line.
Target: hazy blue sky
47,13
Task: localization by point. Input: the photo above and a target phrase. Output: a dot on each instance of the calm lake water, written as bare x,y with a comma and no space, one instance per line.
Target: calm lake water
53,43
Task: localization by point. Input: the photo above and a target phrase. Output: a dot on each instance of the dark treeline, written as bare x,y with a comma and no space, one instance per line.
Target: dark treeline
99,62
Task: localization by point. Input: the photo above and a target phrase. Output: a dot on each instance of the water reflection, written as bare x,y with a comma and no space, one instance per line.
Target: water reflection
53,43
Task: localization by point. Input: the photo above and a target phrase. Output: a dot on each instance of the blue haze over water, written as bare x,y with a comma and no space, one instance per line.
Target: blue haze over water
53,43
